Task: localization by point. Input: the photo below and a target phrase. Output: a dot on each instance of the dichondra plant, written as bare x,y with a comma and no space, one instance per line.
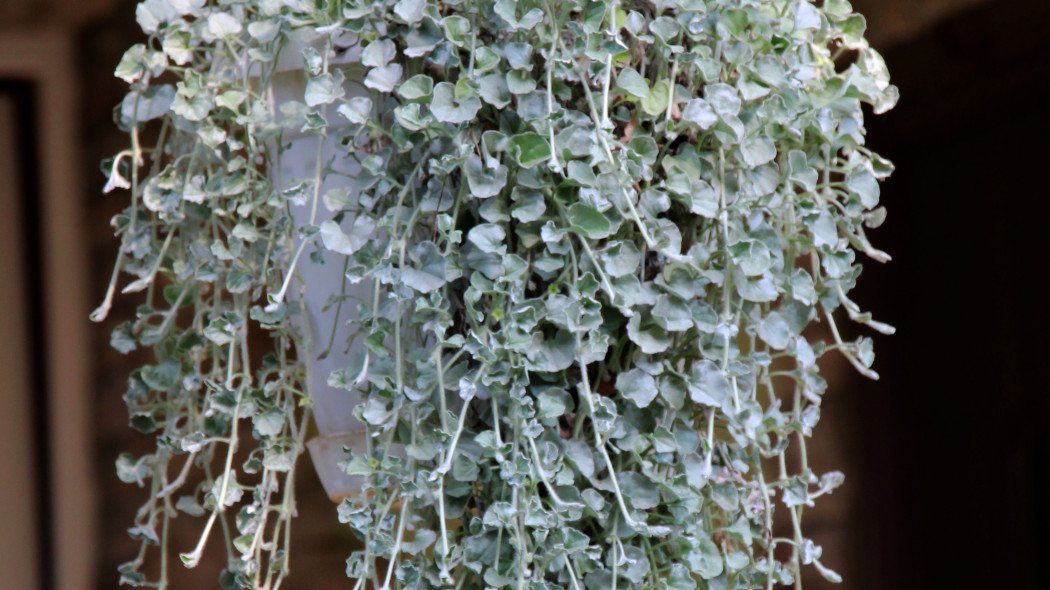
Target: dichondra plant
592,236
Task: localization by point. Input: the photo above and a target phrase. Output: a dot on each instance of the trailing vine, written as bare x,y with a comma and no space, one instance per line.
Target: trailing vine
594,235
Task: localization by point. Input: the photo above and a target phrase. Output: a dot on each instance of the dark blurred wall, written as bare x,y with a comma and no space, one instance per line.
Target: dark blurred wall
955,449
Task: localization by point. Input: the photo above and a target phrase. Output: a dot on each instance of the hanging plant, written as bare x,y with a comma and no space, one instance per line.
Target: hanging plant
579,249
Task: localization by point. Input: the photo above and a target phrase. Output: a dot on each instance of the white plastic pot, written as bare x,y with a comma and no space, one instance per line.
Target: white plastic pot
332,407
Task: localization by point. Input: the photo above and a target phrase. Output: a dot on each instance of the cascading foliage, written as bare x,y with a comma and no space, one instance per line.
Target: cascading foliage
594,233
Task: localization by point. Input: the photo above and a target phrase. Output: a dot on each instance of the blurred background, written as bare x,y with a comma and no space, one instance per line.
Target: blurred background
946,457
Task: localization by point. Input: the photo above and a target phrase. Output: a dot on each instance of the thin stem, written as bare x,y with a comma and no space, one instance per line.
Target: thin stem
585,388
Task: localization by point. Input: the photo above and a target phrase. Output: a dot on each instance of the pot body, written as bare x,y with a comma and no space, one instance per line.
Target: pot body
321,271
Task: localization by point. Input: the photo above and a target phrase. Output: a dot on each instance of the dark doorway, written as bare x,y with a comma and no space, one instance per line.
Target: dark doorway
26,463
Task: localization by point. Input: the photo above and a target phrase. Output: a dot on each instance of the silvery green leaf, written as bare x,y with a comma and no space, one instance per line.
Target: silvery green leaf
423,38
375,412
737,560
221,25
184,7
360,233
311,59
865,351
231,99
553,355
635,292
507,10
751,90
552,403
679,578
148,105
232,489
650,338
636,562
580,173
708,384
268,423
519,82
640,493
494,90
838,8
219,331
804,353
457,29
519,55
823,229
723,99
633,82
449,110
753,256
189,505
771,71
357,109
528,149
153,13
410,11
265,31
637,386
667,238
801,172
384,79
581,455
494,579
589,222
729,129
830,480
655,102
703,200
131,471
416,87
411,117
427,272
533,106
485,59
796,492
802,287
378,53
529,205
488,237
621,258
699,112
806,15
836,264
484,182
132,65
672,314
775,331
758,150
704,317
755,289
863,184
810,552
494,210
665,28
323,89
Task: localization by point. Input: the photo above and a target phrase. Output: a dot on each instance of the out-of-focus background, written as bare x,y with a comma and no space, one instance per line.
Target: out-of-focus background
946,457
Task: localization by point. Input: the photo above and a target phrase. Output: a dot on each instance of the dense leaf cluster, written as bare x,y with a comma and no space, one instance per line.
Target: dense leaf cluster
594,233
